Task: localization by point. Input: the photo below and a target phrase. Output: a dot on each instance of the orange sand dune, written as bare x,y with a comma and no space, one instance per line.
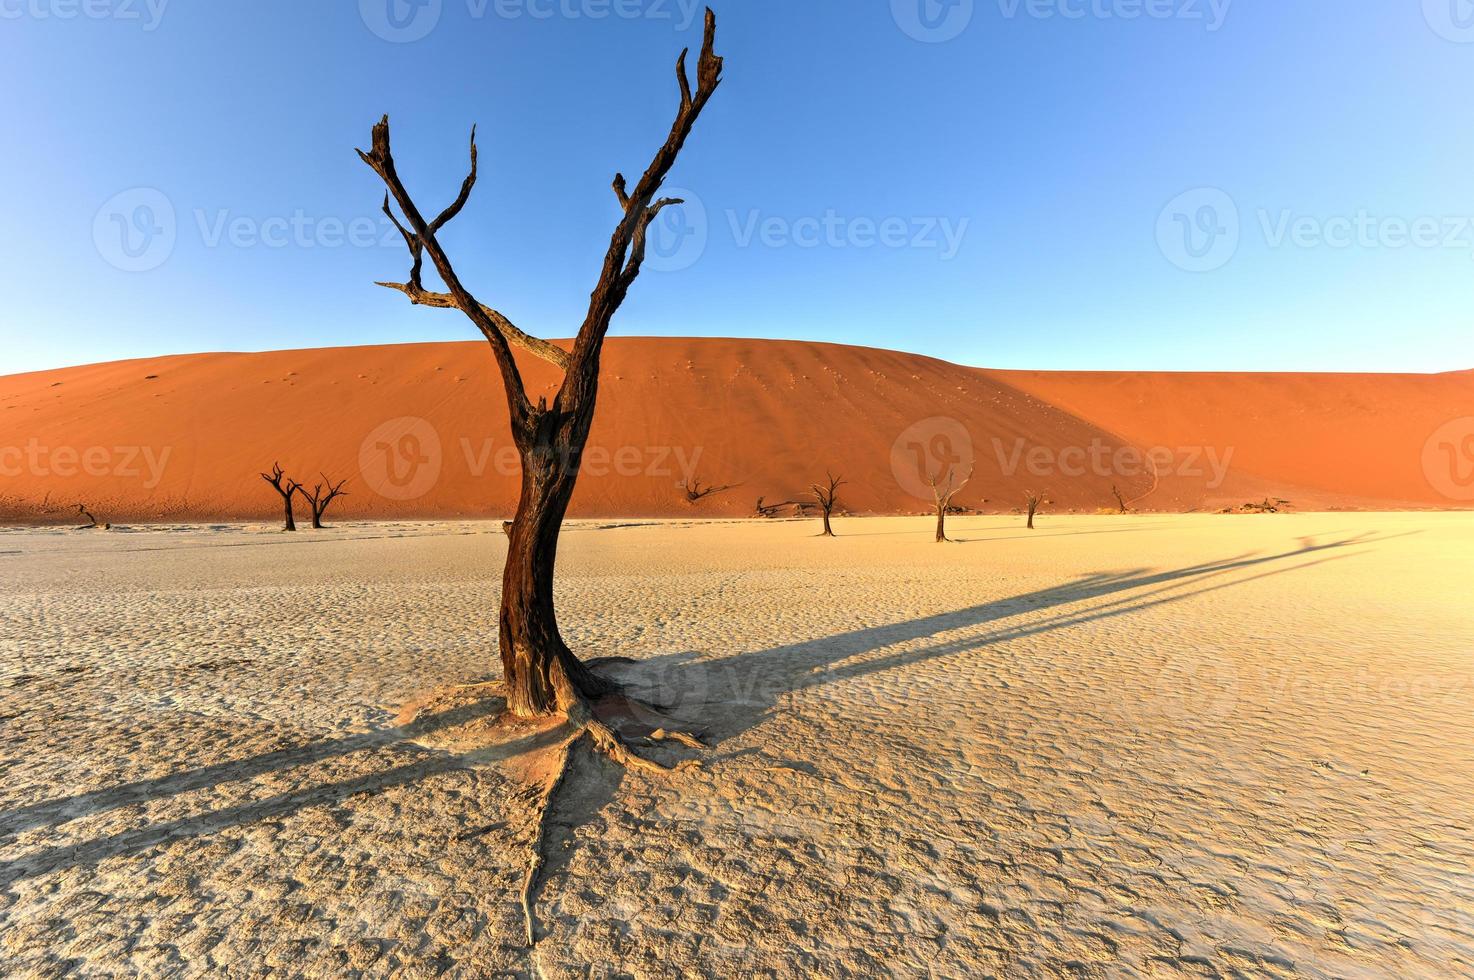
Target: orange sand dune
420,430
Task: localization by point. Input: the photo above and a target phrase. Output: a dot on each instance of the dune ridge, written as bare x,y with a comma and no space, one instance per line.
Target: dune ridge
421,431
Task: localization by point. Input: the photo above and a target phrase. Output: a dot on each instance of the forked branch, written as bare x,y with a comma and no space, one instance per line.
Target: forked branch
943,490
695,492
321,497
420,237
626,253
826,495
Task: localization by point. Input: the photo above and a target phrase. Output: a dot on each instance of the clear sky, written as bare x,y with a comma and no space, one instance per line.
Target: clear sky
1083,184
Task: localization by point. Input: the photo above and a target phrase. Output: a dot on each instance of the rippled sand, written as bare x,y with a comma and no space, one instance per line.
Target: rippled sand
1147,746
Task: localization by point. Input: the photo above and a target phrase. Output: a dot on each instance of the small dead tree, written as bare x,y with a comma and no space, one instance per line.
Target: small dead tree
695,492
1121,505
942,493
541,674
827,497
321,497
772,510
1034,500
92,522
288,488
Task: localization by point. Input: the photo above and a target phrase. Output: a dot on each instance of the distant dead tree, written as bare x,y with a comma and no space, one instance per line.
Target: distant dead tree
288,488
827,496
1125,505
772,510
942,493
1034,500
541,674
321,497
695,492
91,521
1266,506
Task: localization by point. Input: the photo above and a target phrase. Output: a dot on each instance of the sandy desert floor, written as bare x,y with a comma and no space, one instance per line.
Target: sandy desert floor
1136,746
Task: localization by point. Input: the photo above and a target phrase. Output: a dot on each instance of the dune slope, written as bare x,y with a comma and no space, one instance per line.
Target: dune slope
420,431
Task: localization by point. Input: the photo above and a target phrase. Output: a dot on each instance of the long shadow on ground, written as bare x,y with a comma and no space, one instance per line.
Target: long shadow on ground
730,695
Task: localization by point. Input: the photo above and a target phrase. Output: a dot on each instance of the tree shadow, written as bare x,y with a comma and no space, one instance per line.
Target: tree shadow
733,694
730,695
421,763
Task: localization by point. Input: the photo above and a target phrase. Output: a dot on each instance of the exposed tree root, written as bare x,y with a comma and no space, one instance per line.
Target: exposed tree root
539,858
685,738
606,740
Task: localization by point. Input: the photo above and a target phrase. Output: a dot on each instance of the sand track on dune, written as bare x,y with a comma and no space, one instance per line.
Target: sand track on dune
1200,746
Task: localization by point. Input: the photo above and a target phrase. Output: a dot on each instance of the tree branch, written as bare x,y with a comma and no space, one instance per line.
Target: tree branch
420,296
381,160
621,264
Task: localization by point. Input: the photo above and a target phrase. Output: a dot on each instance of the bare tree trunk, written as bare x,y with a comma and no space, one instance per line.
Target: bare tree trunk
941,522
288,488
826,495
542,674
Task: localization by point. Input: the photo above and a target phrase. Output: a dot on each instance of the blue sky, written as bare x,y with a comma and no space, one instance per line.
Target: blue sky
1074,184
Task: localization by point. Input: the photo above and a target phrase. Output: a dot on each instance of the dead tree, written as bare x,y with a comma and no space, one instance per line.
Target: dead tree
1120,500
92,522
827,496
322,496
771,510
1034,500
695,492
542,675
942,493
288,488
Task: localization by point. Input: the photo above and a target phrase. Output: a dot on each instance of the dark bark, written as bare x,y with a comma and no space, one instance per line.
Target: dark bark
771,510
321,497
542,675
288,488
942,493
695,492
1034,500
826,495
